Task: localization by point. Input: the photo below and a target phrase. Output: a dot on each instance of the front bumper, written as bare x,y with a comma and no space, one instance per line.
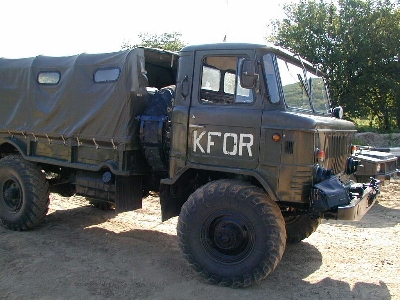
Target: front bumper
360,204
333,200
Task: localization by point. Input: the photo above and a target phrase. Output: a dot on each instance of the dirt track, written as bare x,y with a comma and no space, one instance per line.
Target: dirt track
80,252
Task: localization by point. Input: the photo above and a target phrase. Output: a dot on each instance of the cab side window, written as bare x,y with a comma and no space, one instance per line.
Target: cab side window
220,82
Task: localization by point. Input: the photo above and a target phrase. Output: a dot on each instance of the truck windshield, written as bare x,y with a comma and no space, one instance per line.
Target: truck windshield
302,89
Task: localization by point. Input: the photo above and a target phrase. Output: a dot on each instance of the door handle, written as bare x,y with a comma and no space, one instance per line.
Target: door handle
195,126
184,87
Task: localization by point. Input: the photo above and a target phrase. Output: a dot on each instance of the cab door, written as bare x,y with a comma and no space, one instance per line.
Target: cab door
224,117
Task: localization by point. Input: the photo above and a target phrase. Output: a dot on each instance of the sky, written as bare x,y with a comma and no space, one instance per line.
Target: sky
61,28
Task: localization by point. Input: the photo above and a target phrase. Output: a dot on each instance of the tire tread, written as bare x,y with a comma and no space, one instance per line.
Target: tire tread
268,211
36,193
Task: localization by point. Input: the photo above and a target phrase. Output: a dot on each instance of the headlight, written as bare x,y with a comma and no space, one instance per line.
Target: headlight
378,168
337,112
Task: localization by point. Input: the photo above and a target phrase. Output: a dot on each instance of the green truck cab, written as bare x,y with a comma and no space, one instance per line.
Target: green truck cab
240,141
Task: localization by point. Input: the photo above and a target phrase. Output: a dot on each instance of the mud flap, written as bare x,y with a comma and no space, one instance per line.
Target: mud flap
172,198
129,192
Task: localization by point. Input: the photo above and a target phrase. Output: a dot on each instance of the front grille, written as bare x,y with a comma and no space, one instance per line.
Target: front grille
336,151
338,145
391,166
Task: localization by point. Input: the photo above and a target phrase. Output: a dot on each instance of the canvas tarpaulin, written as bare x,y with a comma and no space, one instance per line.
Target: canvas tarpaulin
77,106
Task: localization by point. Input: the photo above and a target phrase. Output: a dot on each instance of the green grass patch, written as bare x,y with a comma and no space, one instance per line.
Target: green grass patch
365,125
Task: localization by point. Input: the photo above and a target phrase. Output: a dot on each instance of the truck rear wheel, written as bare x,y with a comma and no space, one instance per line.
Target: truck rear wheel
24,193
232,233
300,227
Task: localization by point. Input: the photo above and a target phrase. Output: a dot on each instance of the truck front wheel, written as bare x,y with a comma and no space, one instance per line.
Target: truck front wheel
300,227
24,193
232,233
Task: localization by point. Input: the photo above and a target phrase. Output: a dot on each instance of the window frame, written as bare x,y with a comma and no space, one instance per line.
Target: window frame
38,80
222,78
96,71
272,81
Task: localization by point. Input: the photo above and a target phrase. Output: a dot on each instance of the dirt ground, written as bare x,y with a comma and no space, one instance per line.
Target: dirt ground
388,140
81,252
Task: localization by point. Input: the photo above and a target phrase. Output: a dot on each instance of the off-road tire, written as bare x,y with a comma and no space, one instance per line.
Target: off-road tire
231,232
160,105
300,227
24,193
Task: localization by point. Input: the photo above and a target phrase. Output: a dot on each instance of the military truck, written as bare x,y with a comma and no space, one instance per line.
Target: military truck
239,140
379,164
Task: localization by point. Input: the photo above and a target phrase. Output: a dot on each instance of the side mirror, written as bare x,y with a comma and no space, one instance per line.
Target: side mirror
248,76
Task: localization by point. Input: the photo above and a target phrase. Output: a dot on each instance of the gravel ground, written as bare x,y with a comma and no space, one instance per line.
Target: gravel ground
80,252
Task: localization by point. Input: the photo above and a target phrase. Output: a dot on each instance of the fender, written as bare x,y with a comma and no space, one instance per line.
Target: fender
15,143
253,173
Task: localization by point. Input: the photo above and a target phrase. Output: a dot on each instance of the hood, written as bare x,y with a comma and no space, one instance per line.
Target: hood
306,122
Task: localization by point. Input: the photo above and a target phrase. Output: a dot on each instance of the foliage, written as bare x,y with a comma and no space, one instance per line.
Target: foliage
358,44
165,41
363,125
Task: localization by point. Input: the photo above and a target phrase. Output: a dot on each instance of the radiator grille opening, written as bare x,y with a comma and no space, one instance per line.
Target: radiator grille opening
289,147
337,151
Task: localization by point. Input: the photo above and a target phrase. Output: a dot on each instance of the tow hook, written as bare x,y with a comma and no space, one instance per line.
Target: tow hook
374,184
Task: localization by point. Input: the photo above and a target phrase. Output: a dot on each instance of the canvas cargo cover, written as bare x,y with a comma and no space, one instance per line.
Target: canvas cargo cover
75,107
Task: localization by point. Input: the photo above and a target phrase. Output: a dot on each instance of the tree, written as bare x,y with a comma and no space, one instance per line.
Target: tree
165,41
358,44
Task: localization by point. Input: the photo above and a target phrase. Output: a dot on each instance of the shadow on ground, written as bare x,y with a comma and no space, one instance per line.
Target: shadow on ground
68,257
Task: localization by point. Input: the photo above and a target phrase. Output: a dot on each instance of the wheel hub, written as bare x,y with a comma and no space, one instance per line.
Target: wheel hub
12,196
228,235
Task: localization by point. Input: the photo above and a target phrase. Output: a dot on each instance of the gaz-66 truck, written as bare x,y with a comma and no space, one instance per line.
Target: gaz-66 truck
240,141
